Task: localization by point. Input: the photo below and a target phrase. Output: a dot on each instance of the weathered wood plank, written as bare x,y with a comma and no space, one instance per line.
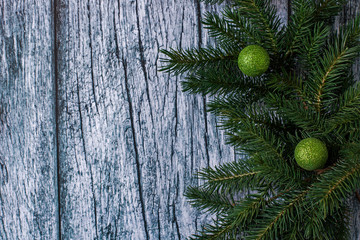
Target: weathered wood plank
28,183
130,139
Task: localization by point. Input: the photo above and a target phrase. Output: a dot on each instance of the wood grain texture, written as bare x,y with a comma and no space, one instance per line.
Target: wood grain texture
28,189
130,139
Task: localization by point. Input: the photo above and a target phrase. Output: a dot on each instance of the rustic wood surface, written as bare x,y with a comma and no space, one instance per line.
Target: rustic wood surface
130,140
95,142
28,171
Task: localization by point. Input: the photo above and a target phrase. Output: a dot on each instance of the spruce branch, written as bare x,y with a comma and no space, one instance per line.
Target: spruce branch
277,218
210,200
230,178
299,112
336,63
252,139
335,185
180,61
231,224
298,27
312,44
243,24
337,226
294,232
225,32
327,75
288,84
349,130
263,16
306,14
325,200
352,30
287,87
232,81
260,133
347,110
221,229
334,226
283,176
234,109
226,178
268,154
327,9
330,70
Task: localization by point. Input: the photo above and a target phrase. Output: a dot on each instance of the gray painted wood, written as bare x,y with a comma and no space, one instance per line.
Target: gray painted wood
28,186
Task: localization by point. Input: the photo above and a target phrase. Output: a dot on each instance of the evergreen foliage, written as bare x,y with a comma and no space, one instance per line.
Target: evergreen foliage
308,91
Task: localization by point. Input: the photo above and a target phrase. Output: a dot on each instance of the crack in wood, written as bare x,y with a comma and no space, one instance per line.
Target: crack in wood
57,118
176,221
158,221
86,161
91,58
142,60
137,160
206,134
2,217
174,206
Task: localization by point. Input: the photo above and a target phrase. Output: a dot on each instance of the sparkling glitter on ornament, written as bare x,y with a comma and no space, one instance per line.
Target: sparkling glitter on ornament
311,154
253,60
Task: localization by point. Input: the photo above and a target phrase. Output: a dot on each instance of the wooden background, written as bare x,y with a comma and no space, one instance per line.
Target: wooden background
95,143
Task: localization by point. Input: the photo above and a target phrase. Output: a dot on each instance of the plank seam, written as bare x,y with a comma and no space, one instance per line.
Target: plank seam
91,58
57,115
86,160
143,61
206,134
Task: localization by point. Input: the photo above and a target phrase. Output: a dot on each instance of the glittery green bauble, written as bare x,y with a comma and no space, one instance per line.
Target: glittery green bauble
253,60
311,154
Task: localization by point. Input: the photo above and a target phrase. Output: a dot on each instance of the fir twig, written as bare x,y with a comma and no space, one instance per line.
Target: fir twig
347,110
224,31
263,16
230,178
238,21
209,200
336,185
276,218
180,61
208,81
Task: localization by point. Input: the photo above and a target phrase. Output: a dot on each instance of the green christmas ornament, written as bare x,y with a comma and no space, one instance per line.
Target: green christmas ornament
253,60
311,154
